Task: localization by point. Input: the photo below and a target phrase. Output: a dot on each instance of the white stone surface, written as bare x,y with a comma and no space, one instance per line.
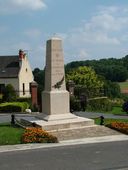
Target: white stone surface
55,98
56,114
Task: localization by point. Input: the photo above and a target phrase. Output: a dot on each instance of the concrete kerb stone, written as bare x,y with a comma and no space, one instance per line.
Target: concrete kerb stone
22,147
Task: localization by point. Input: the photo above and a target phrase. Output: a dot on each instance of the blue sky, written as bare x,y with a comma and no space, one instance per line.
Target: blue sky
90,29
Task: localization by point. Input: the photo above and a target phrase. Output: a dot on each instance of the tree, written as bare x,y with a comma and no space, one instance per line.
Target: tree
9,94
111,89
112,69
39,76
86,78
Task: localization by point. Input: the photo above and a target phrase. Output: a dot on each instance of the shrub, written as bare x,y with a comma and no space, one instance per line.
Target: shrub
24,105
14,107
99,104
117,102
74,104
9,94
120,126
10,108
34,108
24,99
37,135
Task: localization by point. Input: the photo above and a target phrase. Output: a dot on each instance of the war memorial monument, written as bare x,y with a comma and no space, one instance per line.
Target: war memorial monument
56,117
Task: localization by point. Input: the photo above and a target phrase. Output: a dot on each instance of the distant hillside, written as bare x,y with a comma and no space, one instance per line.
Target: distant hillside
112,69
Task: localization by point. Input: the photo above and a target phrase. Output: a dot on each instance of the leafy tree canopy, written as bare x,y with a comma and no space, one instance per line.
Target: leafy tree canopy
112,69
85,77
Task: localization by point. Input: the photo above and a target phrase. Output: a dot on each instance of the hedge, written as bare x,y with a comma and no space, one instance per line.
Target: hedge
99,104
13,107
74,104
24,99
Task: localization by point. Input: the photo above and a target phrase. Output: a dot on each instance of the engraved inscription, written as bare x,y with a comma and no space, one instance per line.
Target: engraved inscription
57,65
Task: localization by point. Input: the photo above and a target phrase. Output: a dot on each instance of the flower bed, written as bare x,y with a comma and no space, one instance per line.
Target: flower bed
120,126
37,135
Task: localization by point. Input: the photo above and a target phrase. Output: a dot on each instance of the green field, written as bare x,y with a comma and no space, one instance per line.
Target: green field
123,85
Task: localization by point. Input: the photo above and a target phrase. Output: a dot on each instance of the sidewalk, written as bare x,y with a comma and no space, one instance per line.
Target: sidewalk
91,140
106,115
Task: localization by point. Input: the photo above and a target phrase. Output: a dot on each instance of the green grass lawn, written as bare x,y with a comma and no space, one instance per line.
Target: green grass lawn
117,110
108,121
10,135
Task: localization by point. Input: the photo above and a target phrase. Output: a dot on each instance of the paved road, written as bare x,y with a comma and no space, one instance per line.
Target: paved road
101,156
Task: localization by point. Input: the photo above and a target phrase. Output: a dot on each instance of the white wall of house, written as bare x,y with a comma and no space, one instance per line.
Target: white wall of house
25,78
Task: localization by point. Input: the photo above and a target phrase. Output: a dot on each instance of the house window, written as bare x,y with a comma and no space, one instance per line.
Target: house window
23,89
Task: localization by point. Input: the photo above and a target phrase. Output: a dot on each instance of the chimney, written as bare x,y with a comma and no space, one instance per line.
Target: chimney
21,54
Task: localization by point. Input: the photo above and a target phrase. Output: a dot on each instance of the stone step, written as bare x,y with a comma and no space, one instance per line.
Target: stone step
26,123
51,126
57,125
83,132
71,128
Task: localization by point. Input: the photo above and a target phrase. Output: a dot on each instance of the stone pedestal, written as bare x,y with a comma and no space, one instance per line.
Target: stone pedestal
55,105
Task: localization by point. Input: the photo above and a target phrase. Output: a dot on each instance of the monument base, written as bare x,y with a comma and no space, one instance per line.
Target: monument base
70,127
55,102
55,117
58,122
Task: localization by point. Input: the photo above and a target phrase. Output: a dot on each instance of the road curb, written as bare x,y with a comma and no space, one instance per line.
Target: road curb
91,140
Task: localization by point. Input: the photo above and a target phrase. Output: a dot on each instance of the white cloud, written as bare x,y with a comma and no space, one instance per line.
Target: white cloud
31,4
13,6
103,28
103,35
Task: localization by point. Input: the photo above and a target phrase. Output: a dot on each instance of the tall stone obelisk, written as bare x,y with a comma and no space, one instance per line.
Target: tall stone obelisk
55,97
56,117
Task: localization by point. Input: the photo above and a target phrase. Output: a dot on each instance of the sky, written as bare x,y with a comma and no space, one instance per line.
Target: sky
90,29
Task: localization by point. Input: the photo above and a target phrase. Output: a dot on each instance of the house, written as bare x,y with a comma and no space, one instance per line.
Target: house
15,70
